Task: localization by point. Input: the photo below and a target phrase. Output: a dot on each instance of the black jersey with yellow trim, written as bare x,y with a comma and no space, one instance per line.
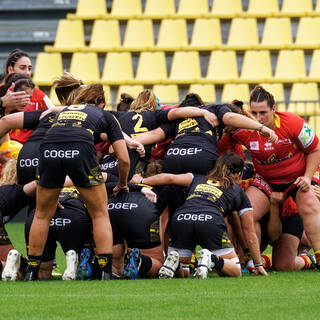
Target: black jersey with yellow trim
12,200
196,131
134,123
83,123
207,196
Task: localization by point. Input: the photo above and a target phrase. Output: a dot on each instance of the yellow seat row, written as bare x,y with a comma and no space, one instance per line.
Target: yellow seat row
185,68
158,9
301,93
173,35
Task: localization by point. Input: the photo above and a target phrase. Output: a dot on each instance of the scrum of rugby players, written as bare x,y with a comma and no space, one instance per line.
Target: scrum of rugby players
189,193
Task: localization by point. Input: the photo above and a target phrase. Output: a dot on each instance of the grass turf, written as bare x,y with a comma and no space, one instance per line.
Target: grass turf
281,295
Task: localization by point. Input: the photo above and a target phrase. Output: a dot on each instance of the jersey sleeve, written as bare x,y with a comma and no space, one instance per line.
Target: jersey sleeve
244,204
218,110
113,128
31,119
303,135
161,116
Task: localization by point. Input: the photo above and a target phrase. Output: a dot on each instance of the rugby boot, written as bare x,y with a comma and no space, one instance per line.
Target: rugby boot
84,270
204,264
131,270
312,258
10,271
72,264
170,266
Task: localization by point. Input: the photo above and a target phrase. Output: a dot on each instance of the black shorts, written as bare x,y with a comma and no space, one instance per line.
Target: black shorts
77,160
27,162
188,159
71,227
187,230
136,222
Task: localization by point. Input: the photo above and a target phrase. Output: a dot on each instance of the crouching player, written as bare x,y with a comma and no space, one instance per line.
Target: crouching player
200,220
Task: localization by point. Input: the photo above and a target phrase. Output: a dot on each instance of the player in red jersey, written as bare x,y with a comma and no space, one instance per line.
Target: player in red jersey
292,160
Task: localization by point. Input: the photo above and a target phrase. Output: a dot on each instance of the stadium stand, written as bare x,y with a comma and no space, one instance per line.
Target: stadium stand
172,44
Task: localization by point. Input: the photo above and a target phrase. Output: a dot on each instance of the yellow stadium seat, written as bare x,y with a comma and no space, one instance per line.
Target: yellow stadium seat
256,66
48,67
243,34
290,66
303,92
85,66
166,93
189,9
89,10
308,35
107,95
53,97
232,91
317,8
222,67
156,9
263,8
69,38
314,123
173,34
277,90
277,33
132,90
126,9
207,92
206,34
314,73
185,67
117,68
296,8
105,36
227,8
151,68
139,35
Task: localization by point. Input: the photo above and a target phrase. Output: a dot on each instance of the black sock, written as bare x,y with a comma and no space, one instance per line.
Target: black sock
23,263
0,267
146,264
34,264
218,262
105,262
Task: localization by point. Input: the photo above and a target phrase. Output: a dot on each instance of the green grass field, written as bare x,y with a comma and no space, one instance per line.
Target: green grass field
281,295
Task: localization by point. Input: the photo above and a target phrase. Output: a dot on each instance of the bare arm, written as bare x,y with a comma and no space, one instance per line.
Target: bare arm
121,152
150,137
240,121
274,224
11,121
30,188
312,164
183,180
189,112
252,240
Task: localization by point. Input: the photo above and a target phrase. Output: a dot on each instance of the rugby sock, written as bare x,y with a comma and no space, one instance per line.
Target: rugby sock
306,259
317,255
105,262
267,260
33,268
1,267
218,262
4,238
145,265
23,263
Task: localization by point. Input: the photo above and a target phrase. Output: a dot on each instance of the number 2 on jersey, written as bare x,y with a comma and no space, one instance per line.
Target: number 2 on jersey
138,127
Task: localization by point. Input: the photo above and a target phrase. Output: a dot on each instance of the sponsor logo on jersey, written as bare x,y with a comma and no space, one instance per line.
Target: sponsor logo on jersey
68,154
109,165
122,205
268,146
28,162
306,135
194,217
254,145
183,151
59,222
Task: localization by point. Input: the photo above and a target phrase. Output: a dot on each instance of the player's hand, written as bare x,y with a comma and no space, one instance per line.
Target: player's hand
149,194
15,100
304,183
59,205
118,189
3,158
138,146
136,178
316,191
211,118
269,133
260,271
